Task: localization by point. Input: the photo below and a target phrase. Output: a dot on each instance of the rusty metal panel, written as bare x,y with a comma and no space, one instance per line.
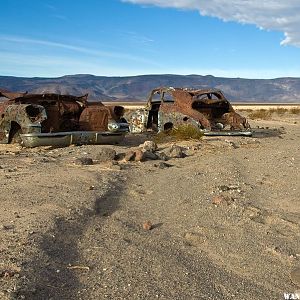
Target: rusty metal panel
94,119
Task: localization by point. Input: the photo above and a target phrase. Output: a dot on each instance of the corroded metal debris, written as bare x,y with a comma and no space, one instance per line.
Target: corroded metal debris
40,117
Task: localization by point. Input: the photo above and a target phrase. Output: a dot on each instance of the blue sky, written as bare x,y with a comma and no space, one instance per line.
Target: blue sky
52,38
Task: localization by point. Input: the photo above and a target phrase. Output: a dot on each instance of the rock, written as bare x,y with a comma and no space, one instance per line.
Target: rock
120,156
175,152
116,167
232,144
8,227
106,154
162,165
83,161
162,156
129,156
147,225
220,199
149,146
295,276
139,155
150,155
195,238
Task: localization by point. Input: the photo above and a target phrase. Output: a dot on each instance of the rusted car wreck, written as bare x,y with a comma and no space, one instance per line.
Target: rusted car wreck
58,120
207,110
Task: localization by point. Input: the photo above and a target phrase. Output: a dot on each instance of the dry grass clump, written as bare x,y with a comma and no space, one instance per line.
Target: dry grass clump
245,110
295,110
263,114
182,132
279,110
266,114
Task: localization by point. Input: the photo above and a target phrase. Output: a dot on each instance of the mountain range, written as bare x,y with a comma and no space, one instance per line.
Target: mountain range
137,88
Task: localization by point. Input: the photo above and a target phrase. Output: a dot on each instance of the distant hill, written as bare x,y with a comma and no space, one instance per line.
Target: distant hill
137,88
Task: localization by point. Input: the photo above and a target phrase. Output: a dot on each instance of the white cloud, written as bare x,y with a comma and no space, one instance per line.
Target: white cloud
279,15
75,48
17,64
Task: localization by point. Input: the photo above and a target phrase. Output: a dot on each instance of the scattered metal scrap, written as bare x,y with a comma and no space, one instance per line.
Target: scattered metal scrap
207,110
58,120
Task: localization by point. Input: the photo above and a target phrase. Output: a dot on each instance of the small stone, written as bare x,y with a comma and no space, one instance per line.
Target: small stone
147,225
129,156
220,199
149,146
150,155
295,276
162,165
175,152
234,145
85,161
92,187
162,156
106,154
116,167
224,188
139,155
8,227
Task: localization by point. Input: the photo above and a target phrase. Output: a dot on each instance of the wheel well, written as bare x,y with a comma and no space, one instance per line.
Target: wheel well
14,128
168,126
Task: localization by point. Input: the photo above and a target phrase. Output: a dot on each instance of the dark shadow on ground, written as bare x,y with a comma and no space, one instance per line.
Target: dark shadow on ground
268,132
48,274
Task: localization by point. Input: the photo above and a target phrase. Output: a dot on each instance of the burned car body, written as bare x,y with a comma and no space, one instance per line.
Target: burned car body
59,114
207,110
17,119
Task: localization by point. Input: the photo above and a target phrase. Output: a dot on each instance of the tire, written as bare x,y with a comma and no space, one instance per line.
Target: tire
15,135
16,138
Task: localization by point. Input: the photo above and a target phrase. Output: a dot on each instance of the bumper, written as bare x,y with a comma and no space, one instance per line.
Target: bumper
228,133
63,139
118,127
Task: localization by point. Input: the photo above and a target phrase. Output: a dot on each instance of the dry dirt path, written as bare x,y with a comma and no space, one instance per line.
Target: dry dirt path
245,249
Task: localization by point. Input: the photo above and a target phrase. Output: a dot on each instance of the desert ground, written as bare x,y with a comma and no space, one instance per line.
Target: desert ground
223,222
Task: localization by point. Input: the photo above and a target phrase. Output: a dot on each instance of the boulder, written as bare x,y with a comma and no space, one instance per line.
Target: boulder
175,152
150,155
106,154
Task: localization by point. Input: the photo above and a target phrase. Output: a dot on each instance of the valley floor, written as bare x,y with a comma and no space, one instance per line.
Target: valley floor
226,221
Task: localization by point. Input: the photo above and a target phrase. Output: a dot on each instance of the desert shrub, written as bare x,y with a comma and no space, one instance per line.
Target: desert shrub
260,114
182,132
279,110
245,110
295,110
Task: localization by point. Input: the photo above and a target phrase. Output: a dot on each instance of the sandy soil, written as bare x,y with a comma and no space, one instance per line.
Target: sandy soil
226,220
